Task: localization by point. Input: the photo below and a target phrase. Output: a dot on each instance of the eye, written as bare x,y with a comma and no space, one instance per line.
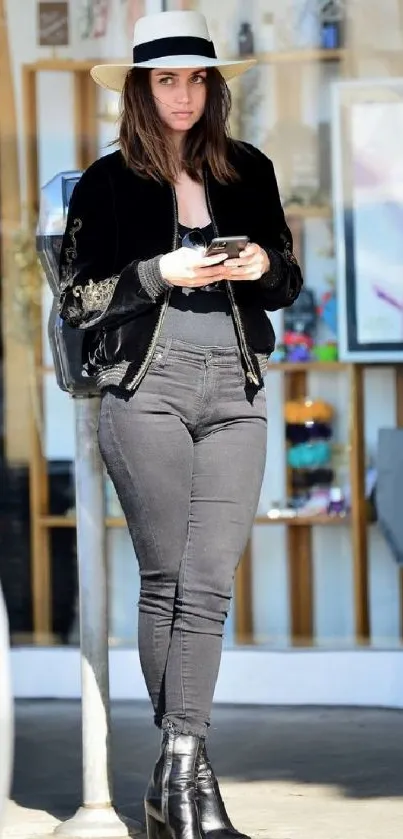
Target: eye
166,80
198,78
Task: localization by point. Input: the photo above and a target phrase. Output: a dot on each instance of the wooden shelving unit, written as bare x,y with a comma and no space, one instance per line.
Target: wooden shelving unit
86,150
299,529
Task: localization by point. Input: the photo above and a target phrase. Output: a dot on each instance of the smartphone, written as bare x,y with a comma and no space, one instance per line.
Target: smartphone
232,245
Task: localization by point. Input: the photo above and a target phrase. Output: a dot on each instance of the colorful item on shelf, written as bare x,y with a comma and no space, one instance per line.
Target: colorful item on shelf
245,40
299,326
316,504
305,479
337,504
298,346
330,35
327,310
307,410
326,352
307,432
279,354
309,455
331,14
301,317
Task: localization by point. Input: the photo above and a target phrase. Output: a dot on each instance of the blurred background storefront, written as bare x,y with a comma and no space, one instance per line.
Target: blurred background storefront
318,609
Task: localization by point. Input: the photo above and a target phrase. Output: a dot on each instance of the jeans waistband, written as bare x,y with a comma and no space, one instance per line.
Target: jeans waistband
172,346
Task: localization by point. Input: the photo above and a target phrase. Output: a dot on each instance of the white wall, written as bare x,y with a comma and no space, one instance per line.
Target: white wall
333,594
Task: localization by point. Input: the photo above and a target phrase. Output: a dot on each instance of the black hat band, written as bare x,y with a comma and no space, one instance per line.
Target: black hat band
180,45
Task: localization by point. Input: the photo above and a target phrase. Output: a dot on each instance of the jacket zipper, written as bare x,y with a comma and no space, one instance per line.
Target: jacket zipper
154,340
250,373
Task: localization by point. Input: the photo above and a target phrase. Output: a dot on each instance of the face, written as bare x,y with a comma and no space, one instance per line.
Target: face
179,96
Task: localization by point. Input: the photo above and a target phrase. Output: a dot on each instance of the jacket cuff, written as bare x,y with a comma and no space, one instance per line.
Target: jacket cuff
151,278
274,276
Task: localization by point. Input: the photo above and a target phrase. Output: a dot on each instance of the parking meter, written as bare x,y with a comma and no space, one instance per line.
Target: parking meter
65,342
96,818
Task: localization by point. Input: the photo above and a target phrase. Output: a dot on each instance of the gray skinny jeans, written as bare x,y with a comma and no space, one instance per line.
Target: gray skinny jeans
186,453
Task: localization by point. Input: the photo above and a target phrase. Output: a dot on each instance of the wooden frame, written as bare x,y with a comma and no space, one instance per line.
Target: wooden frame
85,125
15,378
363,195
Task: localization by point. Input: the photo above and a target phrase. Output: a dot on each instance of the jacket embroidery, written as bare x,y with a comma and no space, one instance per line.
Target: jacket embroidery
70,254
290,257
96,297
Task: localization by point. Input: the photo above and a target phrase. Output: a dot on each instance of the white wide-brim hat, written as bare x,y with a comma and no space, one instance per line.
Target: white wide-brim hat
174,40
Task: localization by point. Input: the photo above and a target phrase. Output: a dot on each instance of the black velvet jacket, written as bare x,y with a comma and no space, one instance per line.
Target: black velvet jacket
118,226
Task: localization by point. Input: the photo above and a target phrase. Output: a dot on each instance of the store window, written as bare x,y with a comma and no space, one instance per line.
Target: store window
325,103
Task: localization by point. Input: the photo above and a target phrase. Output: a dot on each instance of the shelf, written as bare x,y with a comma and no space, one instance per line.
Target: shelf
296,56
305,521
54,522
307,366
278,57
70,521
307,211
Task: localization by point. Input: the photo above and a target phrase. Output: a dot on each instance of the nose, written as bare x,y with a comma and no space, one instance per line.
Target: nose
183,92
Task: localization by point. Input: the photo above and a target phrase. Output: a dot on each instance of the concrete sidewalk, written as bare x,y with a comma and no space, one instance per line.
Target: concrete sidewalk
285,773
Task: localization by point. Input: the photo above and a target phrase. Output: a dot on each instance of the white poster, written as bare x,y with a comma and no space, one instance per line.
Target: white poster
377,220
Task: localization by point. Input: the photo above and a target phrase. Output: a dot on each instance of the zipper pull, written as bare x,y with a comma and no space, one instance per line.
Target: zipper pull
252,378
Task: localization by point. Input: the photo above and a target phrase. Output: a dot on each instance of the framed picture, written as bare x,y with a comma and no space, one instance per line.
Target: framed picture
367,169
53,24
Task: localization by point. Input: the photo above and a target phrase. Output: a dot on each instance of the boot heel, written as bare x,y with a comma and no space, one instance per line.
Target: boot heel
156,829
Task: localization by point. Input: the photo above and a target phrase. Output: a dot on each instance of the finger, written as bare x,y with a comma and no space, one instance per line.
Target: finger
206,261
247,271
255,276
238,262
251,249
211,271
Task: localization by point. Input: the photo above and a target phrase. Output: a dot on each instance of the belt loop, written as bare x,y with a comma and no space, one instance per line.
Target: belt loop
165,352
161,352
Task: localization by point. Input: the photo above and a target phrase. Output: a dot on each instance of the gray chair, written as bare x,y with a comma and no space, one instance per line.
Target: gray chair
389,489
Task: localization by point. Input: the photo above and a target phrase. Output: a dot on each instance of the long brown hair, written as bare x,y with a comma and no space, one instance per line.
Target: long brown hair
146,146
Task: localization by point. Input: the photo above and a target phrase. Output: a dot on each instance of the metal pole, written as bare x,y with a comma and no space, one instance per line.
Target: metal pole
96,818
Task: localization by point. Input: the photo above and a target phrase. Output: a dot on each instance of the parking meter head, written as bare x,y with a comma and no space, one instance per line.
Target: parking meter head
54,204
66,343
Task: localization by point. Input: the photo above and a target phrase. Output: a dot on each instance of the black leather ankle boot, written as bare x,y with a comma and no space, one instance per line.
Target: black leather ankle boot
212,812
170,801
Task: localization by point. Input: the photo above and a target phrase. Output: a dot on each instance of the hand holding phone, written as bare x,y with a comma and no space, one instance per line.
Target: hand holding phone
250,264
186,267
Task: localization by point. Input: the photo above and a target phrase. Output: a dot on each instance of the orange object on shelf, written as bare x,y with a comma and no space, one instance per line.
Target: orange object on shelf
299,411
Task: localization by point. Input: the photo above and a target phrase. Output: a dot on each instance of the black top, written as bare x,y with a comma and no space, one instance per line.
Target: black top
196,317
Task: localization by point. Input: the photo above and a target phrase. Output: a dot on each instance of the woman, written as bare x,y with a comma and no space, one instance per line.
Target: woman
182,426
